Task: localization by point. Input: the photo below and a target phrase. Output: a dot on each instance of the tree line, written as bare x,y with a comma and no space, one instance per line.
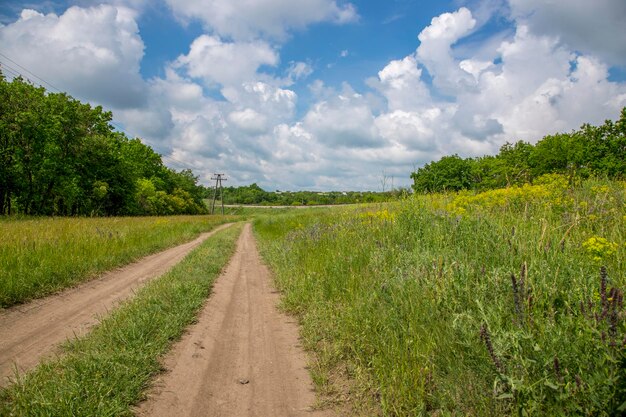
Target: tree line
59,156
588,151
255,195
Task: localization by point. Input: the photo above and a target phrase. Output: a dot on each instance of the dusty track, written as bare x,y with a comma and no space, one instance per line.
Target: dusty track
30,331
242,357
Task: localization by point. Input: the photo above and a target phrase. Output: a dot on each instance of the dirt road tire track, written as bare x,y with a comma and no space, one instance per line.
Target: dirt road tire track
242,357
31,331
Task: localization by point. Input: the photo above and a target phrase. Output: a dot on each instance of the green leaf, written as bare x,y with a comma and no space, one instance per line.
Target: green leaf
551,385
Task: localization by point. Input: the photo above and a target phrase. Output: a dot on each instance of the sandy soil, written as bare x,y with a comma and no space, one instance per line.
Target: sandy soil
242,357
33,330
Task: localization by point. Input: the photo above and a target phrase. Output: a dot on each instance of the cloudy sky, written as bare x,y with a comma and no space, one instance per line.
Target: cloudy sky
326,94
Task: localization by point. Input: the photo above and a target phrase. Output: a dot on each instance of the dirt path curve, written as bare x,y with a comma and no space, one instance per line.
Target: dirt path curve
30,331
242,357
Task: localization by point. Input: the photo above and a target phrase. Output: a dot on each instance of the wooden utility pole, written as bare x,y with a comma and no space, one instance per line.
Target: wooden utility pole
218,182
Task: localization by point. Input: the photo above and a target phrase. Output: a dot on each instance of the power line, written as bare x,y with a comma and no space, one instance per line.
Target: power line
176,160
13,71
7,69
16,73
25,69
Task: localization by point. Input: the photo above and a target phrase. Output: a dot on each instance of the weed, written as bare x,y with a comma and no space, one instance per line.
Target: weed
402,294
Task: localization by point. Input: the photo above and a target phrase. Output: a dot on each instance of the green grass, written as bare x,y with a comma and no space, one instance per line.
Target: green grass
250,212
105,373
39,256
416,304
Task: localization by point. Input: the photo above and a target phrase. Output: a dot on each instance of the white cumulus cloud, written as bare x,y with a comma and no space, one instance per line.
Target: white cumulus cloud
346,121
411,130
94,53
435,49
250,19
226,63
249,121
400,82
592,27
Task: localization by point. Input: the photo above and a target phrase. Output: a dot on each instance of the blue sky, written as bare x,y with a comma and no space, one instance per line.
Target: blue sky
326,94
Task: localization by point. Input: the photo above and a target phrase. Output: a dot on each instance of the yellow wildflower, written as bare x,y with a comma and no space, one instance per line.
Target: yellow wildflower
599,248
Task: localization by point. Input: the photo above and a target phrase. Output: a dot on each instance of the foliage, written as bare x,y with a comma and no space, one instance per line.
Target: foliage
59,156
450,173
502,308
105,373
591,150
255,195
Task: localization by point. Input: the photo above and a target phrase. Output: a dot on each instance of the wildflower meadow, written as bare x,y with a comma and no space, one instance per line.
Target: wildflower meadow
503,302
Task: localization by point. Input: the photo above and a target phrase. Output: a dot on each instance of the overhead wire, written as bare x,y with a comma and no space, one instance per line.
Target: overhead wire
11,70
8,70
17,73
175,160
34,75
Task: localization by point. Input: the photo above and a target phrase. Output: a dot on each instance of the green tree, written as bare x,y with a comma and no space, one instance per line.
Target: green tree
145,195
514,167
450,173
607,147
60,156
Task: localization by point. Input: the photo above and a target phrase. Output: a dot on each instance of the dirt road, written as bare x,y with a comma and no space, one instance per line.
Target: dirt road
30,331
242,358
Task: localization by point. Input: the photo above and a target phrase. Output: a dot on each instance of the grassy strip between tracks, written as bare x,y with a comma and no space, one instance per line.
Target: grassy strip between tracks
105,373
39,256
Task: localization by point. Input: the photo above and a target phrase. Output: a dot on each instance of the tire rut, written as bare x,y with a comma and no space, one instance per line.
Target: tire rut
242,357
34,330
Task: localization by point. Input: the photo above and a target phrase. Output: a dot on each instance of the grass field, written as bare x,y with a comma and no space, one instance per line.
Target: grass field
39,256
507,302
105,373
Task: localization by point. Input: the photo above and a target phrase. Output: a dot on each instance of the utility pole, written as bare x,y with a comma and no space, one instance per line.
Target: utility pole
218,182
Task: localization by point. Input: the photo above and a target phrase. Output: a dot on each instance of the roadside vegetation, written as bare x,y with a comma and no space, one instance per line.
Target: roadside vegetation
105,373
501,302
39,256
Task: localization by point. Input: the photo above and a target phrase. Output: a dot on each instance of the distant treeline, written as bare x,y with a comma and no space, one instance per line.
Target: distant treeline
589,151
59,156
253,194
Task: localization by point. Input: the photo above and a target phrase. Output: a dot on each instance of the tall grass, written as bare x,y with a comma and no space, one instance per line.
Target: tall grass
106,372
41,255
506,302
